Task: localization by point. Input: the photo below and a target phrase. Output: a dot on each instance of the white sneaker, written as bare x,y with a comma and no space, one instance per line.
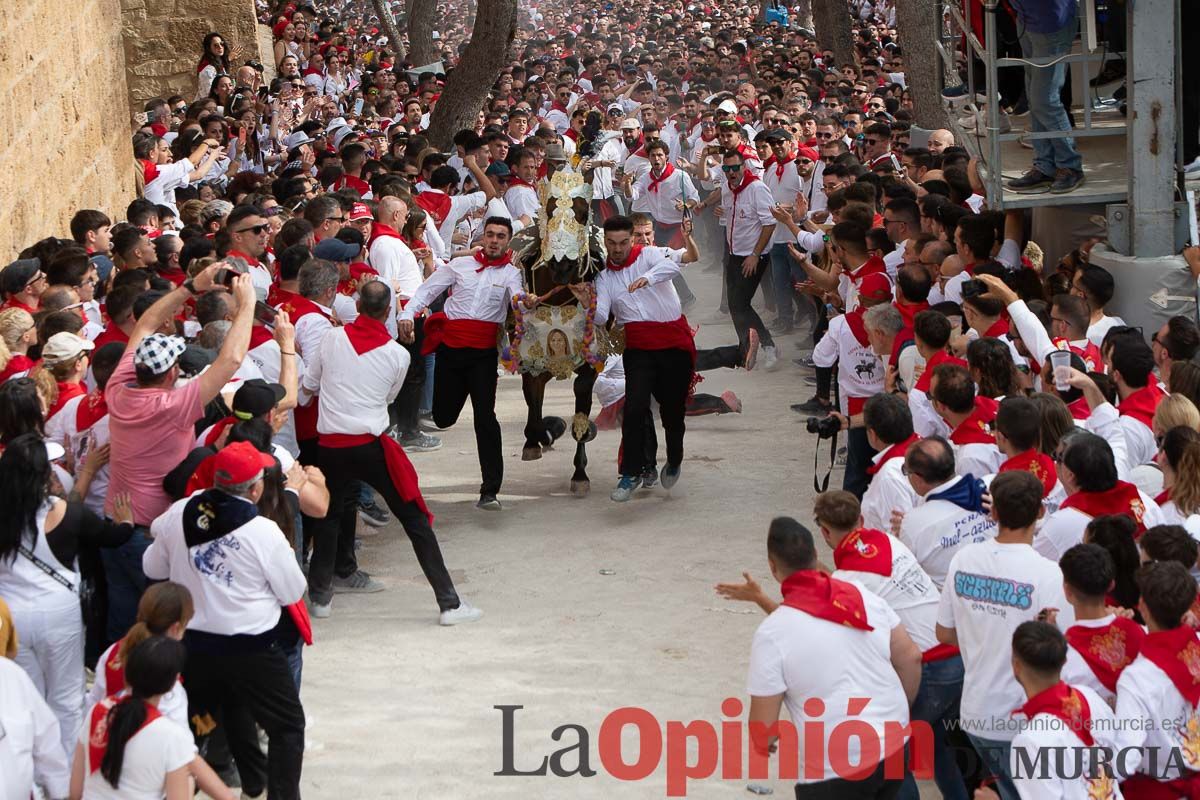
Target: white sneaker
464,613
320,610
770,358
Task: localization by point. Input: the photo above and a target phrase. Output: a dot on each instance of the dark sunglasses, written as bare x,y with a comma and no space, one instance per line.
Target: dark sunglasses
255,229
731,168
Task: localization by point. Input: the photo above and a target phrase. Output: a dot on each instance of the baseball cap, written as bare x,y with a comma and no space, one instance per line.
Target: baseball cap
728,106
875,286
360,211
256,397
498,169
239,463
159,352
335,250
804,151
64,346
19,273
631,124
616,107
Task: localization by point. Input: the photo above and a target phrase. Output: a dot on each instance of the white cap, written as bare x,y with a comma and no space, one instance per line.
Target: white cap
728,105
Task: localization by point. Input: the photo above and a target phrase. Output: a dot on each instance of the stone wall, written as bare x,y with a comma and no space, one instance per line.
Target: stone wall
163,40
63,113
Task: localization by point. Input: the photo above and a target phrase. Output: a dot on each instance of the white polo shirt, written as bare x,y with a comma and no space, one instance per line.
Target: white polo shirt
935,530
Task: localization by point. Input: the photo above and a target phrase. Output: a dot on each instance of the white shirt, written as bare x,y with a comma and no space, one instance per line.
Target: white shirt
1077,672
1096,330
745,215
791,656
63,427
657,302
355,389
908,591
475,294
522,201
460,206
888,491
860,374
991,588
1144,692
895,259
157,749
32,749
660,204
926,421
602,177
161,190
311,329
238,582
1139,441
936,530
397,265
784,189
173,705
1063,529
1045,735
977,458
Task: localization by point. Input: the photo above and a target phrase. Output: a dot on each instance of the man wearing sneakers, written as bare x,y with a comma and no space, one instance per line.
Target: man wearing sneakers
358,371
464,337
1047,31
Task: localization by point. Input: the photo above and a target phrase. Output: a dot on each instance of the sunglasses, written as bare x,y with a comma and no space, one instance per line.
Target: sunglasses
821,135
731,168
255,229
871,142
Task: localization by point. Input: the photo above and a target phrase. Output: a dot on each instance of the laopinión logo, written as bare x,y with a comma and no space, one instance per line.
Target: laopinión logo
727,748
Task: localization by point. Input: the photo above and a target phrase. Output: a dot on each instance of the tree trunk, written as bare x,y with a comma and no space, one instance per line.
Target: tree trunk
468,84
804,15
832,19
420,32
395,42
917,27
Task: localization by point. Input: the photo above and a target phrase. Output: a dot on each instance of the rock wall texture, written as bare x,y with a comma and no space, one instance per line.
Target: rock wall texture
63,111
163,40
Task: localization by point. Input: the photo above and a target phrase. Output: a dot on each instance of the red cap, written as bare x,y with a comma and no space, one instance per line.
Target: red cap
238,463
875,286
360,211
804,151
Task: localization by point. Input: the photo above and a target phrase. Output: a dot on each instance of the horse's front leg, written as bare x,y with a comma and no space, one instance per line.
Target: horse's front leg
582,428
534,389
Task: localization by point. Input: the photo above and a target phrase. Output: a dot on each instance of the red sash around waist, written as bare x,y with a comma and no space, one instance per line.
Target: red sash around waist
464,333
399,468
676,335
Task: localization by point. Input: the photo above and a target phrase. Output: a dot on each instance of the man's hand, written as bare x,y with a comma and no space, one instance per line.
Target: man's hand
582,291
640,283
686,227
800,207
405,329
782,213
896,520
749,265
1192,256
842,419
750,591
285,332
530,301
997,289
205,279
243,290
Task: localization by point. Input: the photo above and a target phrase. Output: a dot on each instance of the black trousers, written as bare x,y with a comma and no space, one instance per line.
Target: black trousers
728,357
741,292
230,685
858,460
873,787
666,376
333,549
405,410
459,373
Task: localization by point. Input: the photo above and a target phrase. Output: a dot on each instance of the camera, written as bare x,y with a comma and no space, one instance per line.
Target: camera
823,427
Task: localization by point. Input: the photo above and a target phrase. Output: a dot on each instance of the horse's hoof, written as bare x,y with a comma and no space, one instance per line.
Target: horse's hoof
531,453
581,488
554,427
583,429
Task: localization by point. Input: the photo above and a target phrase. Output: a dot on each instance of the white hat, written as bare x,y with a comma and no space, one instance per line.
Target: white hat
631,124
728,106
64,346
616,107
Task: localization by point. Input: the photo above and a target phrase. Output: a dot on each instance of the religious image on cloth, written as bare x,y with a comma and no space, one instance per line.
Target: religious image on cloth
556,340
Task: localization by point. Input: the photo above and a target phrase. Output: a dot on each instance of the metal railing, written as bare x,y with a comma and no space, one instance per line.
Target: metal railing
956,27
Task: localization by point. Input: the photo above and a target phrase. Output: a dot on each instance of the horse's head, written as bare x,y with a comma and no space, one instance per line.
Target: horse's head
565,228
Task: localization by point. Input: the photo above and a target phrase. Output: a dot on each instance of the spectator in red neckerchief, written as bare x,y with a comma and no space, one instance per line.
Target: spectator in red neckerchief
22,283
18,332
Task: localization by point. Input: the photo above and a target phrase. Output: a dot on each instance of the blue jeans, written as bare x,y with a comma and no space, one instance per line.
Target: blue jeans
126,581
996,756
295,659
937,704
781,277
1046,112
427,387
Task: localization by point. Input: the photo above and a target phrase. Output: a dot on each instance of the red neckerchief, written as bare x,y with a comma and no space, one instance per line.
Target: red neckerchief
366,334
260,335
1141,404
218,430
251,260
66,391
298,306
895,451
634,252
986,408
1080,409
437,204
640,149
667,172
1067,704
1163,497
98,727
747,179
1089,353
973,429
352,182
13,302
381,231
748,152
865,550
484,262
1109,649
149,170
359,273
827,598
871,266
969,269
572,134
114,671
1040,464
936,360
558,106
16,365
909,311
1123,498
854,320
1177,653
90,410
515,181
997,329
780,166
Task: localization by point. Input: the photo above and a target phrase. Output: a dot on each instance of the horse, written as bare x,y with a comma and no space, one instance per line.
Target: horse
563,250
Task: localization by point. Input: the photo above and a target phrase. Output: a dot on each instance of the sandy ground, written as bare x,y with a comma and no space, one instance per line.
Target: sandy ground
400,707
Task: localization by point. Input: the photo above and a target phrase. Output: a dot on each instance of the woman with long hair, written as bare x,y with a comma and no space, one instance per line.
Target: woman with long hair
164,610
991,365
214,61
413,234
1179,459
222,92
21,410
40,539
285,39
1055,421
1114,532
128,749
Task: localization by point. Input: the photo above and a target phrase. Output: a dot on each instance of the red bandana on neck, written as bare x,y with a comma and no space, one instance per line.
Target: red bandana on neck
1040,464
997,329
1177,653
381,231
149,170
974,429
98,727
667,172
895,451
17,365
114,671
515,181
857,325
634,252
871,266
909,311
780,166
1109,649
1080,409
90,410
1065,703
66,391
437,204
1141,404
366,334
1088,352
747,179
865,550
485,262
1120,499
937,359
827,598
